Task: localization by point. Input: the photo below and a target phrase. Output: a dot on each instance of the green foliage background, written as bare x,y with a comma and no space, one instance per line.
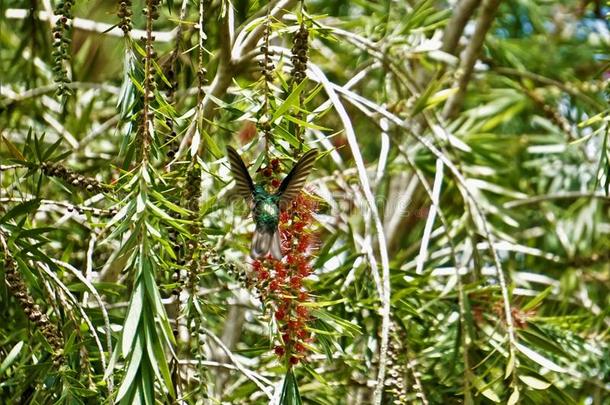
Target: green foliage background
464,211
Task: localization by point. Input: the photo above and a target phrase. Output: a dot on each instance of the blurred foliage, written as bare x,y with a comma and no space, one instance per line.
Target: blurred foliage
124,251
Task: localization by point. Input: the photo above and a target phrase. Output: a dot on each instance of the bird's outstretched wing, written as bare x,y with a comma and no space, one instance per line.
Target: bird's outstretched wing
243,182
295,180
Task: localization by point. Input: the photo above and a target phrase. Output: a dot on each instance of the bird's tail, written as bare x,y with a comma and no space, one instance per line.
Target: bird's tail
265,242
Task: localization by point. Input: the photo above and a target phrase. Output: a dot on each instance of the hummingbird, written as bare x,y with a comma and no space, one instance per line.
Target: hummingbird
266,206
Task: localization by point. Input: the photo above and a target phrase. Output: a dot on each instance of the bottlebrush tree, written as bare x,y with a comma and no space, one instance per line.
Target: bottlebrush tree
446,243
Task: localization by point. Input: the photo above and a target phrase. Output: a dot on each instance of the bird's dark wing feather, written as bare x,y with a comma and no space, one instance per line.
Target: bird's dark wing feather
243,182
295,180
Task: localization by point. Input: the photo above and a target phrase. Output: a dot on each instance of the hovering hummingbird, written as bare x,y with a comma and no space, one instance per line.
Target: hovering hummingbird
265,206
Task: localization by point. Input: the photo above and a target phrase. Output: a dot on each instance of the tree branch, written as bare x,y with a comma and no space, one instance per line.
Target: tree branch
484,22
455,26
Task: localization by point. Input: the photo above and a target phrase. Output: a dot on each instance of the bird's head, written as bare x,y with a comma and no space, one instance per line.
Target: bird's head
259,190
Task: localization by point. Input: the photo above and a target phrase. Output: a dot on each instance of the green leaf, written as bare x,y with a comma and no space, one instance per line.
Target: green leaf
47,153
25,207
132,370
537,299
540,359
132,321
534,382
514,397
305,124
485,389
158,358
291,100
491,395
320,304
13,149
10,357
510,366
212,146
290,391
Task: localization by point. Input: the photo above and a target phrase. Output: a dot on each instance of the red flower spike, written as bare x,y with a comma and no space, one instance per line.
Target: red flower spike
304,269
295,282
281,282
302,312
275,183
284,217
303,246
290,258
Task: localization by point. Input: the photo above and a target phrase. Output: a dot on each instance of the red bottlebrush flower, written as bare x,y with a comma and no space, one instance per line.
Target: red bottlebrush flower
302,334
302,312
275,164
275,183
284,217
295,282
304,269
303,244
267,172
290,258
284,289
